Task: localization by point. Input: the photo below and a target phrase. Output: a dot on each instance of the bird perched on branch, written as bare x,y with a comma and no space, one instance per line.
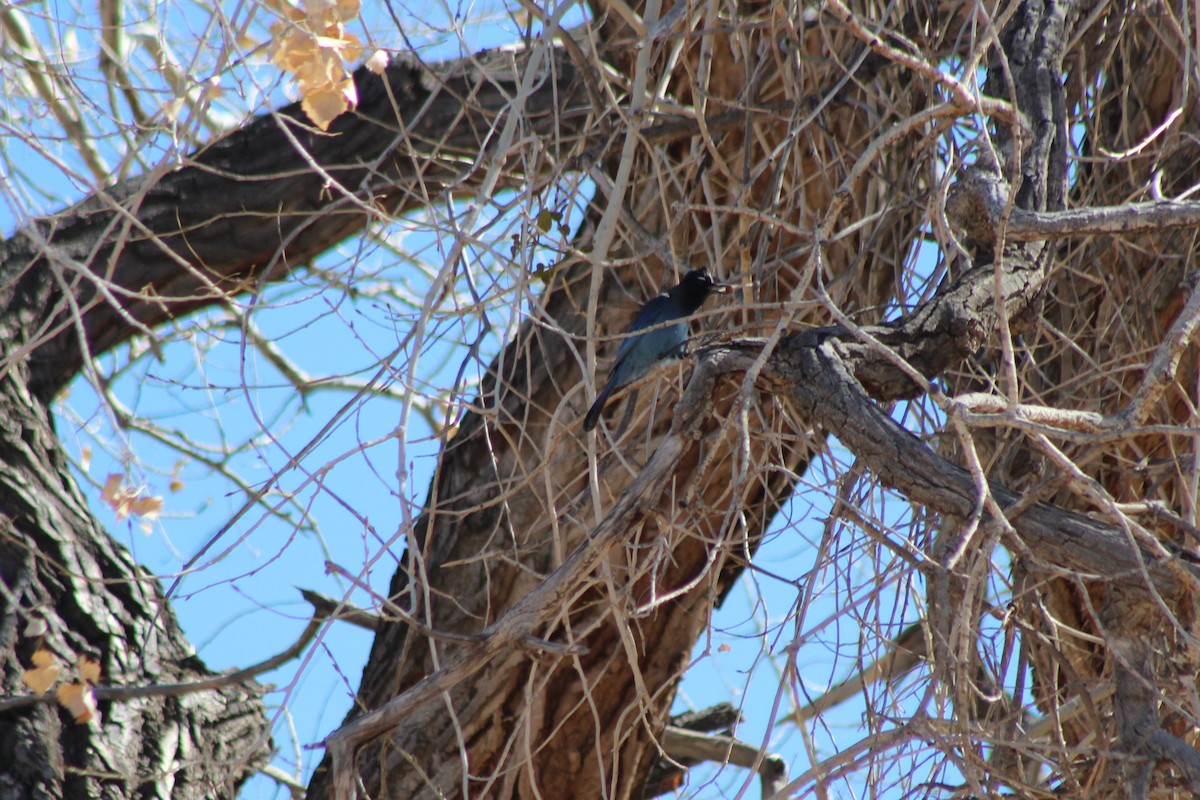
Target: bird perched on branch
658,331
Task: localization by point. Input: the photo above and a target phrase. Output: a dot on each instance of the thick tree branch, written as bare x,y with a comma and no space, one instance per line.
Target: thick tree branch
681,743
980,204
816,372
823,386
262,201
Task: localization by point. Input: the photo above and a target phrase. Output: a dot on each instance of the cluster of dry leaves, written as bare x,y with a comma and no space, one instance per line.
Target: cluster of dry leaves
312,43
126,500
77,696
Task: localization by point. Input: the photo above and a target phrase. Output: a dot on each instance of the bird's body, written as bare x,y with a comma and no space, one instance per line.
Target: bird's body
657,332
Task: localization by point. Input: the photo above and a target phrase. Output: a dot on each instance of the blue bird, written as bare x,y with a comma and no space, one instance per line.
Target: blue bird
640,351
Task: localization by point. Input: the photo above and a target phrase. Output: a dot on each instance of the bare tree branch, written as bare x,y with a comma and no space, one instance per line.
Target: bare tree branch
262,201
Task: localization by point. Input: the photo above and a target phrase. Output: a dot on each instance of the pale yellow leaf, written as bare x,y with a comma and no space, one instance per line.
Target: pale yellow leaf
352,49
44,672
293,51
320,72
115,496
77,698
124,500
89,669
324,104
147,507
112,485
331,42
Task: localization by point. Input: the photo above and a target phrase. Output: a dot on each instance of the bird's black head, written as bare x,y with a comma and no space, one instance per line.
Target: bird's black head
695,288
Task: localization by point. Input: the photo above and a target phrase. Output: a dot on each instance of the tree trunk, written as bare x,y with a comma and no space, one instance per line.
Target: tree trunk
521,484
73,590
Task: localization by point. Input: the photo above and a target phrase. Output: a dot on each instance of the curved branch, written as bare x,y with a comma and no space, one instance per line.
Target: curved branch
256,204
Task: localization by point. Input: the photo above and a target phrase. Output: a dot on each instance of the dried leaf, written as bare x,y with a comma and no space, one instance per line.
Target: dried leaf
351,49
177,484
77,697
333,43
316,49
124,500
44,672
326,103
112,484
89,669
147,507
546,219
319,73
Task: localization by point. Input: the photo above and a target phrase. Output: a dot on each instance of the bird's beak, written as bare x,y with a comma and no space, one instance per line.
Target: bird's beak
725,288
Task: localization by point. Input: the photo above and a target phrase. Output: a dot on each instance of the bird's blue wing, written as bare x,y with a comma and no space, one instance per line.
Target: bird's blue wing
656,332
654,312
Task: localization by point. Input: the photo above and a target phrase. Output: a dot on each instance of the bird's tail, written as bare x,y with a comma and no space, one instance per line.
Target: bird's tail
593,415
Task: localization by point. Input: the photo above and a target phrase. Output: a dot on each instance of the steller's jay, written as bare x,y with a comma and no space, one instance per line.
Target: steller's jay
639,351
